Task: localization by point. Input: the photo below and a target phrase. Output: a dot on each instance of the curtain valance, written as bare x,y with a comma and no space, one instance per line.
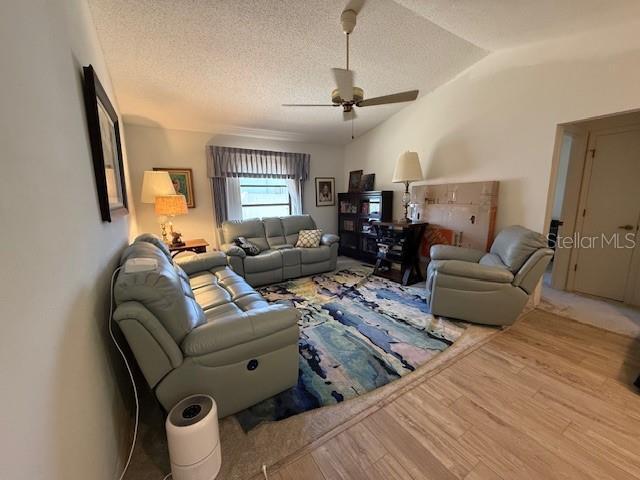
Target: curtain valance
241,162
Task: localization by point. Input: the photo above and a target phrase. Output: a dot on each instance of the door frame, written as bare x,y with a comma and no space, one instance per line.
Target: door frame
570,201
632,274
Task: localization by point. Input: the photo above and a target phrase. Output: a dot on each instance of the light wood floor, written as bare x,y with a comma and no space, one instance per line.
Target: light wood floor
548,398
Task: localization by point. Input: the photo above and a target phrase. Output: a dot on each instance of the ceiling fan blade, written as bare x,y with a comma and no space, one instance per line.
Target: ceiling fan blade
393,98
344,82
310,105
346,116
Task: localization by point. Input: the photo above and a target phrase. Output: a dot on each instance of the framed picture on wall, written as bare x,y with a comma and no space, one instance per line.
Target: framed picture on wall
325,191
106,149
182,179
355,180
368,182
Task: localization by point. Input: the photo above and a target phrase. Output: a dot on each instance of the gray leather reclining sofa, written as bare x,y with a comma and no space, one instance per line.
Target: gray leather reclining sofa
195,326
278,259
489,288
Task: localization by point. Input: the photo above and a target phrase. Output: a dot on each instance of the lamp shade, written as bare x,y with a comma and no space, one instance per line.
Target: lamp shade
171,205
155,184
408,168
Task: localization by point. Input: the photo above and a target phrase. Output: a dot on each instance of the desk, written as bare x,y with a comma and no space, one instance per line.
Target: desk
198,245
399,243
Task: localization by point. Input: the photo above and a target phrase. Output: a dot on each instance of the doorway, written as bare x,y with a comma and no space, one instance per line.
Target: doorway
609,215
595,213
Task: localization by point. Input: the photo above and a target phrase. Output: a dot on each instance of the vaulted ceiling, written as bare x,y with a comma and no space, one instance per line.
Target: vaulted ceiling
230,64
497,24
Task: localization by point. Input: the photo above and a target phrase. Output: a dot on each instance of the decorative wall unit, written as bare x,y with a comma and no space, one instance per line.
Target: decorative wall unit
468,210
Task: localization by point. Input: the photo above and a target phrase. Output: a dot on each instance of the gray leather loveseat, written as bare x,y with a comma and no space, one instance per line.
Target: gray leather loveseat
490,288
195,326
278,259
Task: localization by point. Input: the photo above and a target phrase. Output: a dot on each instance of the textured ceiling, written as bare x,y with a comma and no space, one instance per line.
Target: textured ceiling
204,65
497,24
197,65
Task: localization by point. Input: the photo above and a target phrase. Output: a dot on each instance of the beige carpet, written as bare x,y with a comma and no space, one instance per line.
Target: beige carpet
271,443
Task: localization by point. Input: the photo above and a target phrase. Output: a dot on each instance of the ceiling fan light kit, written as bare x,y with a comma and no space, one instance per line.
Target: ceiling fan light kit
347,95
348,21
357,96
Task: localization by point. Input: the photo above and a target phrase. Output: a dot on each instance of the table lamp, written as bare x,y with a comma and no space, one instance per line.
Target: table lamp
155,184
167,207
407,170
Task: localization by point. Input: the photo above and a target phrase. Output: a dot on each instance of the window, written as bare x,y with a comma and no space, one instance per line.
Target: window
264,197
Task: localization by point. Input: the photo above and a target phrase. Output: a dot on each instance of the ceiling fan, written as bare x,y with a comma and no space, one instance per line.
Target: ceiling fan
347,95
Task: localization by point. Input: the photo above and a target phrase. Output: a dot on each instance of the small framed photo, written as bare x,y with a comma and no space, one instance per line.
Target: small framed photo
368,182
182,179
355,180
106,149
325,191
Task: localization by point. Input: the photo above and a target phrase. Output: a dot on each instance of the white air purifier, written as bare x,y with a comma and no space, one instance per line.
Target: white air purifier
194,439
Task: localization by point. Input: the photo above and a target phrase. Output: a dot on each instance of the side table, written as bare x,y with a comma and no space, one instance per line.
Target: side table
198,245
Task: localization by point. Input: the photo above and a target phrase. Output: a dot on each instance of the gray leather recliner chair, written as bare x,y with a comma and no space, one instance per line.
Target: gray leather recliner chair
195,326
279,259
489,288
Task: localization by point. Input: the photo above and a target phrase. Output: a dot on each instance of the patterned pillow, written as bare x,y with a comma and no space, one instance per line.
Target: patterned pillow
309,238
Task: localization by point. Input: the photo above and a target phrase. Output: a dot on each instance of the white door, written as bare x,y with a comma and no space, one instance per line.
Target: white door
611,211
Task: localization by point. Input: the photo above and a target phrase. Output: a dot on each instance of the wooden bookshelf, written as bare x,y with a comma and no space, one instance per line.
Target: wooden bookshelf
356,212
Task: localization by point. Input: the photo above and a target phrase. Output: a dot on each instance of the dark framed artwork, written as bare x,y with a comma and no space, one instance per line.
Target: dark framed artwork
106,149
368,182
355,179
325,191
182,179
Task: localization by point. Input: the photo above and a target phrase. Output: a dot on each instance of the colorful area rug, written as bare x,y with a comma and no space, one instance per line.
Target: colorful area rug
358,332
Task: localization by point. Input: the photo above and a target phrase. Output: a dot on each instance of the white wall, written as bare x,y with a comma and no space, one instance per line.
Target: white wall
150,147
62,412
497,120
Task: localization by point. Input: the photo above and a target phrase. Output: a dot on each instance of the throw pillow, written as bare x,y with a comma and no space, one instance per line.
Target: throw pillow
309,238
249,248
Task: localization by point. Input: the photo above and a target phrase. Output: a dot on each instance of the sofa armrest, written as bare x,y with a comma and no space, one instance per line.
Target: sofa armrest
232,250
132,310
228,331
329,239
155,350
449,252
458,268
201,262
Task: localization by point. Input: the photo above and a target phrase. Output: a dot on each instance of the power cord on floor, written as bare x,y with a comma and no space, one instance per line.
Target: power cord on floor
133,383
